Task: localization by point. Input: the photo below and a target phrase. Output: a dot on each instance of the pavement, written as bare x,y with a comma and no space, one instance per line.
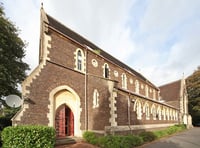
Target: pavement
187,139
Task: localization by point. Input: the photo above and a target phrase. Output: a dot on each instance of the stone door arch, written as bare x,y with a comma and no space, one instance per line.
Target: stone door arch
67,97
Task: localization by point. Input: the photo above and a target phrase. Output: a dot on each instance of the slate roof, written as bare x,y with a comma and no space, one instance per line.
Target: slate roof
171,91
78,38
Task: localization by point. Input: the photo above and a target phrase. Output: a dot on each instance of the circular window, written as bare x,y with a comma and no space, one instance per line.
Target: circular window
116,73
94,63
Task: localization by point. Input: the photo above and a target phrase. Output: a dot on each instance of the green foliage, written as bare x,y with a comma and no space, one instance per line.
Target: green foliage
28,137
169,130
90,137
119,141
147,136
193,90
113,141
116,141
160,134
12,68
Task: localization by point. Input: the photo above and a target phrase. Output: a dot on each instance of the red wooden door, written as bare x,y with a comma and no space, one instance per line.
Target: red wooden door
64,122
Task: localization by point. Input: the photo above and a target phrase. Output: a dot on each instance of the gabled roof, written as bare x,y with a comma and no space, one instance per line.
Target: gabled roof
171,92
78,38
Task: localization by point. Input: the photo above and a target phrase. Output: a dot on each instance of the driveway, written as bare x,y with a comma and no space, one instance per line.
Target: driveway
186,139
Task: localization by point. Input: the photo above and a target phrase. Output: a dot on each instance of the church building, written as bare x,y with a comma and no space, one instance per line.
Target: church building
77,86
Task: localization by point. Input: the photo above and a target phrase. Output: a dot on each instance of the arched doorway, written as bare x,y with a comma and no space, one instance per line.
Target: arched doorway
64,121
64,95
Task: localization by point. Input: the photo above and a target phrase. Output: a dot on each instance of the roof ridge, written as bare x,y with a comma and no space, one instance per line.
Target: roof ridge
170,83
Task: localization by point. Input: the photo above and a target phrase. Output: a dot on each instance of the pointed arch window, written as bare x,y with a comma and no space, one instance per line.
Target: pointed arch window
79,60
138,109
146,91
95,99
153,111
124,81
146,111
164,114
159,113
106,71
137,86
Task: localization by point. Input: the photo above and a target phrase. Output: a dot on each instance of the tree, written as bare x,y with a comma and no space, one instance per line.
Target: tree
193,89
12,67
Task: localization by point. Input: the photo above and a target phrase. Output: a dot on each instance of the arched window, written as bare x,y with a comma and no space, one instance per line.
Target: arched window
159,113
146,91
154,94
153,111
95,99
164,113
167,113
137,87
146,111
106,71
79,63
79,60
138,109
124,81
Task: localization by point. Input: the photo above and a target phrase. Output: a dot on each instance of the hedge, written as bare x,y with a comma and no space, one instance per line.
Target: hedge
111,141
117,141
28,137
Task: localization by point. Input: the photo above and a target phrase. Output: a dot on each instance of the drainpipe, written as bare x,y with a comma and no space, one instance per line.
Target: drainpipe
129,114
86,107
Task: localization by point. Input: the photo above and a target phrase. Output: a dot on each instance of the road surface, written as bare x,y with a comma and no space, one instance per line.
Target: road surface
186,139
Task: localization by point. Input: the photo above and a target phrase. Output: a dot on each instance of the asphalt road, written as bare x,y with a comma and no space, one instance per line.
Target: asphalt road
186,139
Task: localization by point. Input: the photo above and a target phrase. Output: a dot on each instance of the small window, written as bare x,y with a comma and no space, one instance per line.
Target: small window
124,81
79,60
146,110
146,91
159,113
164,114
95,99
153,111
138,109
137,87
106,71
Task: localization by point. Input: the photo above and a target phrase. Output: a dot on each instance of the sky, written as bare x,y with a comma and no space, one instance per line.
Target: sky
158,38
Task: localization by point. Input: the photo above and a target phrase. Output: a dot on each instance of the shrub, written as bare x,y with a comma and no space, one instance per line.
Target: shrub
175,128
147,136
169,130
160,134
90,137
28,137
135,140
119,141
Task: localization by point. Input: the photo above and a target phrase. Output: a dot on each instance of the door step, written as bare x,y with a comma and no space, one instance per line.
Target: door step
67,140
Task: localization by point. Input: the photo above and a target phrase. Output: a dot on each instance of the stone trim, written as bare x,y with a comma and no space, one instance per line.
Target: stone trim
113,108
76,108
137,127
36,72
83,61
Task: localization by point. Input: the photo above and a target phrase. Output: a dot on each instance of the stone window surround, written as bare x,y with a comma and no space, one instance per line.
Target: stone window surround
78,50
95,98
